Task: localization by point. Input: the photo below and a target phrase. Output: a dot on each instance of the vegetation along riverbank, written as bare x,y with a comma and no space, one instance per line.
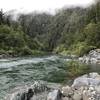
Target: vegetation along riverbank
73,30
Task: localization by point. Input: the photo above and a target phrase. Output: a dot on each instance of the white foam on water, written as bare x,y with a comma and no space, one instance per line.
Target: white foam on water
6,63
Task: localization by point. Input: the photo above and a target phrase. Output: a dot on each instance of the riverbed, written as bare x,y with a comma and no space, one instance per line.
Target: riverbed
25,70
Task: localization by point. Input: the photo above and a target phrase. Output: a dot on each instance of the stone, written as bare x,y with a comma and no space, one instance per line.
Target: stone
40,96
67,91
65,98
77,96
92,57
94,75
91,94
27,92
54,95
85,95
86,80
78,82
97,88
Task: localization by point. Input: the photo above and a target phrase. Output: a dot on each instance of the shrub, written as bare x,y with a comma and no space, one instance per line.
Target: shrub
81,48
76,69
78,49
25,51
5,29
2,51
38,53
59,49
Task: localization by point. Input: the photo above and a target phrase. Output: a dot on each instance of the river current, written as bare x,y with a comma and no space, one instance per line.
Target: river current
25,70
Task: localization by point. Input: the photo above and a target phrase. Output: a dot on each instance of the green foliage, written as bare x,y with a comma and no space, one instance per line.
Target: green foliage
2,51
38,53
15,42
78,49
81,48
59,49
25,51
10,38
76,69
92,32
73,30
5,29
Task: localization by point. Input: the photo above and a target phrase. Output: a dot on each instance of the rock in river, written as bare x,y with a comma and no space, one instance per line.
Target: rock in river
92,57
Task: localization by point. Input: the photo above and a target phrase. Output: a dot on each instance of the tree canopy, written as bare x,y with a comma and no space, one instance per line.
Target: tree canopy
68,30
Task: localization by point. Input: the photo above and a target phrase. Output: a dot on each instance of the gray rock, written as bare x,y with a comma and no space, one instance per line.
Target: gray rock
67,91
86,87
86,80
77,96
54,95
66,98
80,82
40,96
92,57
93,75
90,94
27,92
97,88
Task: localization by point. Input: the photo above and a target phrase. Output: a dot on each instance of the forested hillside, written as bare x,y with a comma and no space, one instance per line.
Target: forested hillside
73,30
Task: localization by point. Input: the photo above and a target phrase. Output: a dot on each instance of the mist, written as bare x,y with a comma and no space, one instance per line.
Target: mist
27,6
15,8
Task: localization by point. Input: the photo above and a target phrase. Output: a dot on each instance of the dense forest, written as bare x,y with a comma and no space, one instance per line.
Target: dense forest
72,30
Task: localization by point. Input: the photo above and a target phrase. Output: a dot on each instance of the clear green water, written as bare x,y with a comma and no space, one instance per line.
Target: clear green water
25,70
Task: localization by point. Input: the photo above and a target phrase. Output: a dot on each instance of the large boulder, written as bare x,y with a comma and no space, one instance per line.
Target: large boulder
86,87
27,92
86,80
38,91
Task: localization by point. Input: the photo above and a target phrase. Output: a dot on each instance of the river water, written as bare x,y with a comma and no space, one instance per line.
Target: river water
25,70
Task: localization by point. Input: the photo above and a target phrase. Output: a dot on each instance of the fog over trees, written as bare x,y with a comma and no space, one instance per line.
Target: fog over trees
73,30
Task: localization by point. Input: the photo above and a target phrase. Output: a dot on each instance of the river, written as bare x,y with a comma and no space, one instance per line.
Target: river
25,70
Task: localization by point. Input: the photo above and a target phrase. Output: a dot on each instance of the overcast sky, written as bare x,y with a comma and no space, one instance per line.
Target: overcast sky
40,5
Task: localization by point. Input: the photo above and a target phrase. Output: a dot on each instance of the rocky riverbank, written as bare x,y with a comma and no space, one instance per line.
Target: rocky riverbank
92,57
86,87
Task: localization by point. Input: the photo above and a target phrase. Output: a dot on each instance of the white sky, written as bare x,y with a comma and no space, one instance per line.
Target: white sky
40,5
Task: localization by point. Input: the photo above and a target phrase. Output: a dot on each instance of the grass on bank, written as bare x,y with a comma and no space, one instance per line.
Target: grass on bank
75,69
78,49
66,72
